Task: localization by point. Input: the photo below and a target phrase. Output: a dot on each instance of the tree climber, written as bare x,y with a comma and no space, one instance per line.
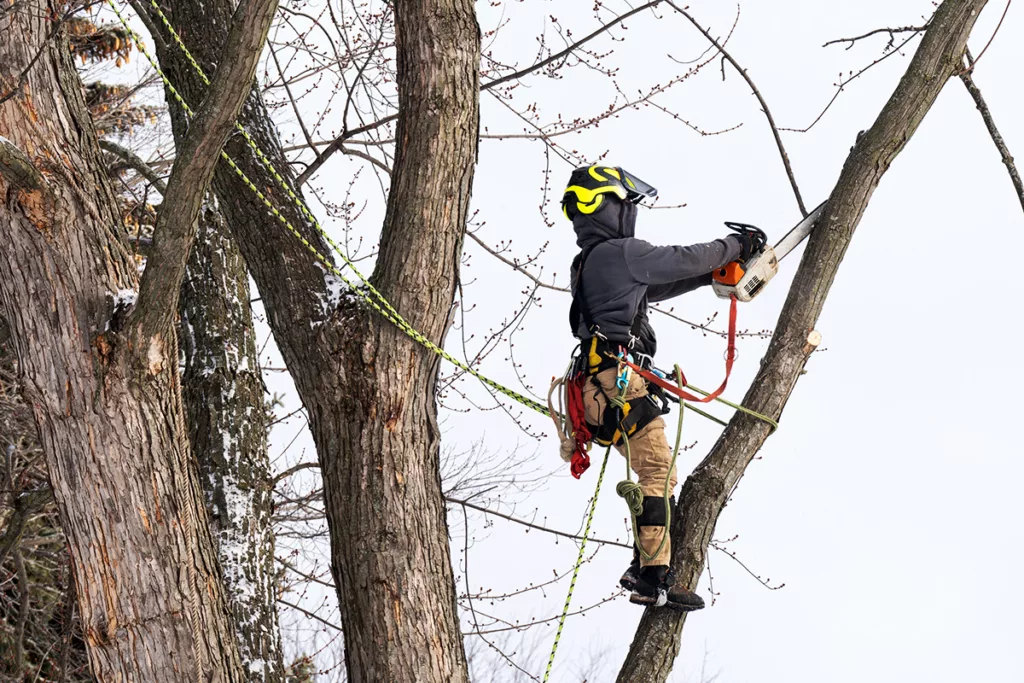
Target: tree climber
613,279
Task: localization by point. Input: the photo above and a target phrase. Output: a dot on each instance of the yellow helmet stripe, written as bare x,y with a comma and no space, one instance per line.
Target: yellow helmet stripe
586,196
607,170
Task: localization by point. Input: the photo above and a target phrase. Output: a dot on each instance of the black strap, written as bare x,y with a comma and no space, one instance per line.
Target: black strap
579,303
642,411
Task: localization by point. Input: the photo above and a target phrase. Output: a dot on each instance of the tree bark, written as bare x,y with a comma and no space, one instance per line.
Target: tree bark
103,383
225,402
706,491
30,537
368,388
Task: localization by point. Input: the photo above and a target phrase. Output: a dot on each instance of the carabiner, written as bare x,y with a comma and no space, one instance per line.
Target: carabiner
622,381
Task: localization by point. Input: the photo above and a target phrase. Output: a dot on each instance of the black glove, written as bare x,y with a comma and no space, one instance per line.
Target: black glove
750,244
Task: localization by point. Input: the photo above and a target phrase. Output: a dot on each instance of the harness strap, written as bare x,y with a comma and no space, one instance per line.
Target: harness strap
730,357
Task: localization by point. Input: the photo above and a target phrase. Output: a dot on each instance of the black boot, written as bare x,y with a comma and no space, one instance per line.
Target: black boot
632,573
654,587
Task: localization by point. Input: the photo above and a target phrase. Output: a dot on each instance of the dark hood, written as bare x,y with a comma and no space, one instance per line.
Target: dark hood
614,220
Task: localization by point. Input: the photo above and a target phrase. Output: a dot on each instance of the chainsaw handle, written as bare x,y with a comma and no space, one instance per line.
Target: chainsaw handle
746,228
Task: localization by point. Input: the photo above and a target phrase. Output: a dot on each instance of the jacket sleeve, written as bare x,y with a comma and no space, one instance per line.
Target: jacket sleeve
657,293
655,266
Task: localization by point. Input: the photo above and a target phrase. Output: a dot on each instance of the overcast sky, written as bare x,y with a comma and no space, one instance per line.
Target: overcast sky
888,501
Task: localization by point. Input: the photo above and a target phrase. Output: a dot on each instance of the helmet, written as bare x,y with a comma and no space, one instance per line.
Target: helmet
589,184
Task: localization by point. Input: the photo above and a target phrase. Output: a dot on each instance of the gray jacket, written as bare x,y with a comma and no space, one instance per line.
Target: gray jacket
622,274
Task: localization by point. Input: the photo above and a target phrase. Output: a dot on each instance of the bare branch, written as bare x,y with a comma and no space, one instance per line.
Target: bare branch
572,48
990,124
994,34
291,99
891,31
842,84
136,164
336,145
538,527
760,99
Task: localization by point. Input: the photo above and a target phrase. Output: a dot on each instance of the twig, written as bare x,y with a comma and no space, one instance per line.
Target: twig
760,99
732,556
336,144
292,470
891,31
309,614
469,598
522,627
986,116
844,83
567,51
291,99
538,527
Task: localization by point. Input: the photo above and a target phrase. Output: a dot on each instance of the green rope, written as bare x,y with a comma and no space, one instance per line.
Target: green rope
576,569
633,494
735,406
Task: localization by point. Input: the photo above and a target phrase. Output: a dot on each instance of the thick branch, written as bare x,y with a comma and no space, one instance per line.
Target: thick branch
760,99
196,159
990,124
707,490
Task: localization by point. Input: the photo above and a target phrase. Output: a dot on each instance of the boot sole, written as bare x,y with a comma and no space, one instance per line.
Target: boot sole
637,599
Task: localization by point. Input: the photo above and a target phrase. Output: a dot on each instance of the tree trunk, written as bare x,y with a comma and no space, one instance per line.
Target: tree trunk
102,378
224,399
369,389
146,577
387,515
706,491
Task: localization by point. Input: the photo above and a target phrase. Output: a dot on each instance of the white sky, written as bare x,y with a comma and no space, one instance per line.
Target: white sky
887,502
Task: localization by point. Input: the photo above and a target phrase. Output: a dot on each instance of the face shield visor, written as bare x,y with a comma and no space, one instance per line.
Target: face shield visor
636,189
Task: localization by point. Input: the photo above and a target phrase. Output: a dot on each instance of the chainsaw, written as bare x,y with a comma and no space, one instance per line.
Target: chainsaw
746,280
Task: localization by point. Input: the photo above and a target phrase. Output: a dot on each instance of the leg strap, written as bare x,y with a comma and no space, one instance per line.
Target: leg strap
636,414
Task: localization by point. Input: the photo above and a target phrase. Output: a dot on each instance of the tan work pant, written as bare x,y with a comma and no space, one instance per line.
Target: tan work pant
650,454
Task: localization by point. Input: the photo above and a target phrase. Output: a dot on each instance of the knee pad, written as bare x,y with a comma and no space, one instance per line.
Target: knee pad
654,513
